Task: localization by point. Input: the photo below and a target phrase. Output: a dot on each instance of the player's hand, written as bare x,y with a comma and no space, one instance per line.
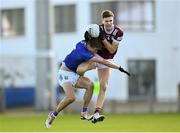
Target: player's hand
124,71
102,35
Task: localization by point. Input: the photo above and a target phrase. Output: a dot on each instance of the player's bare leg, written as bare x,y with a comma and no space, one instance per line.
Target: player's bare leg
84,82
103,75
68,99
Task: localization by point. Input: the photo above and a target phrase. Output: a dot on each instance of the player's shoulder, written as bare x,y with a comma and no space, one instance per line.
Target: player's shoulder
82,49
118,30
80,44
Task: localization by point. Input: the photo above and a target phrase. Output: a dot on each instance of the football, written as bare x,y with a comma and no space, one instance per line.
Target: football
93,30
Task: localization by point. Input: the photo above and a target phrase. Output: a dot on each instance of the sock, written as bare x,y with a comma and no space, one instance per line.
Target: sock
97,110
85,110
55,113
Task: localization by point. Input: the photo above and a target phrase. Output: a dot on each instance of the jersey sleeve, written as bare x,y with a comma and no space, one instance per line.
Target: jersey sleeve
118,36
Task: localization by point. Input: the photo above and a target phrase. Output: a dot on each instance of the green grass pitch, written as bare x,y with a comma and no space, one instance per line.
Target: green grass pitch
168,122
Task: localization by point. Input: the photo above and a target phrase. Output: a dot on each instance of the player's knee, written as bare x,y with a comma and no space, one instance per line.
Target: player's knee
104,87
80,71
82,68
90,86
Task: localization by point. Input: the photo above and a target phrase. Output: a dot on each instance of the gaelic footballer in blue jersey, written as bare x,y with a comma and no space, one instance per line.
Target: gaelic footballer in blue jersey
110,36
69,79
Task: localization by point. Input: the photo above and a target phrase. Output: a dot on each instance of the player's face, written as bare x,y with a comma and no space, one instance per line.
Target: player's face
108,23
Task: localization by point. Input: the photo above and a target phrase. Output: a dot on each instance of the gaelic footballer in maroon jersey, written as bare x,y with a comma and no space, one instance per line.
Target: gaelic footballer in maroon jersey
115,35
110,36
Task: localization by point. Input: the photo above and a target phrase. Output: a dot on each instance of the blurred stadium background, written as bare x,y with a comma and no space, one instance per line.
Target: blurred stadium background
36,35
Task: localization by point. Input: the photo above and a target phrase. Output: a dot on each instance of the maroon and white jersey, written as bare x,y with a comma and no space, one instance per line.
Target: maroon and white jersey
116,35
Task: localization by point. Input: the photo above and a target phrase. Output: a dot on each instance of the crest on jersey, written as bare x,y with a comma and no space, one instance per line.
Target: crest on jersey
66,77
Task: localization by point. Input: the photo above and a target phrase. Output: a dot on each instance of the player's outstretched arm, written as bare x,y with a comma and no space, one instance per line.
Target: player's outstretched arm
105,62
109,64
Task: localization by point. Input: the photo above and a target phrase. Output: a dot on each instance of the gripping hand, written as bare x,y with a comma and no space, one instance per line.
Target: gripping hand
124,71
102,35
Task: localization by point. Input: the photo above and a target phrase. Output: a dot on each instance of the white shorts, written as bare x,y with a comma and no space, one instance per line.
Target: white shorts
67,76
101,66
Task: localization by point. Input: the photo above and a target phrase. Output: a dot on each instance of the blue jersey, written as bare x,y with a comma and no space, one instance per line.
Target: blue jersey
79,55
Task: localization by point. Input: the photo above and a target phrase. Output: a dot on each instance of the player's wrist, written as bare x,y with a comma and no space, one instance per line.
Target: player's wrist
103,39
121,69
